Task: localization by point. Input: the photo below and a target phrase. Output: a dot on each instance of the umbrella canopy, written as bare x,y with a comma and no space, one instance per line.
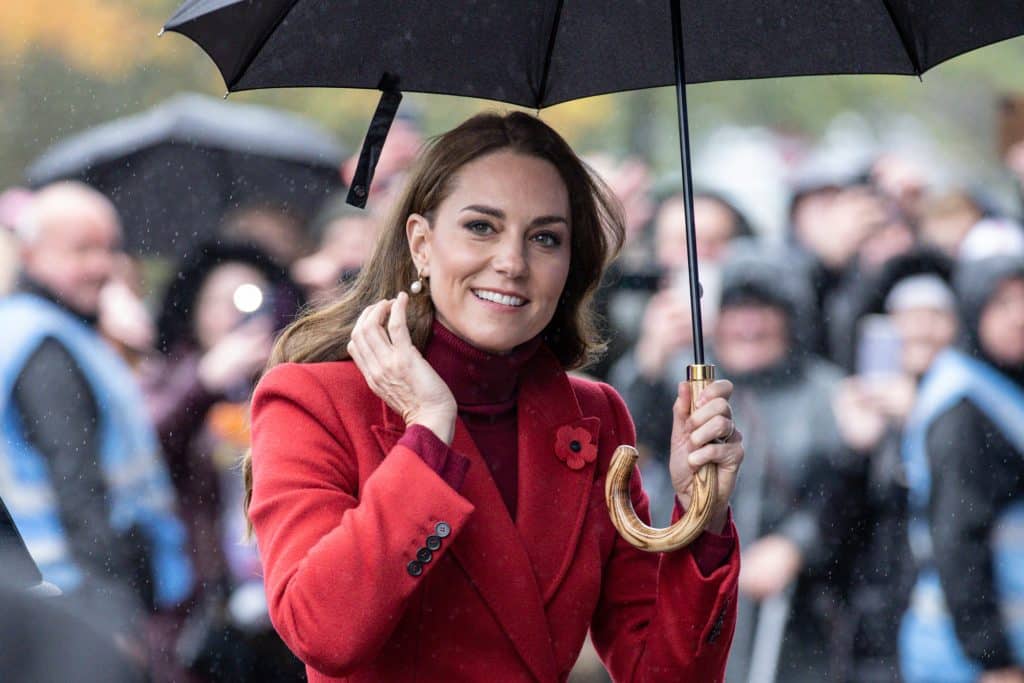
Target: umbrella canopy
537,53
175,170
544,52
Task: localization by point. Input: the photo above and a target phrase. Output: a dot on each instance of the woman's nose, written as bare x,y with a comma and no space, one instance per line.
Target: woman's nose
510,260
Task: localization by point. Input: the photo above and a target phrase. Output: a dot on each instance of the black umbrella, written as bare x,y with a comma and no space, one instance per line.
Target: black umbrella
537,53
175,170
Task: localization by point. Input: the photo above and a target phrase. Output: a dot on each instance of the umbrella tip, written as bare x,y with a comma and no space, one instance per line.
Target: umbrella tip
160,32
226,93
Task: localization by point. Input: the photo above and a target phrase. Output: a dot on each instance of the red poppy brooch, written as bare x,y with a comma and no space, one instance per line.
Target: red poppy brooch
574,446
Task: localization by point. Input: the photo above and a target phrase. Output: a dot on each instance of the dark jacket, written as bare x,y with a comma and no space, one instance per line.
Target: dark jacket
975,474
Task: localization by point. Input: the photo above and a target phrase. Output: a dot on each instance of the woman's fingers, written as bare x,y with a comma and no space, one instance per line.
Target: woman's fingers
398,328
715,407
721,388
373,332
717,428
728,455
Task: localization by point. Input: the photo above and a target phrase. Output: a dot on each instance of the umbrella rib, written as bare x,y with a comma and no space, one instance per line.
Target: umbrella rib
542,92
905,38
259,44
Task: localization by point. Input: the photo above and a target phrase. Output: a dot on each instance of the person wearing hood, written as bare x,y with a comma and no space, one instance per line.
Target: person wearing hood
964,456
914,317
215,332
782,402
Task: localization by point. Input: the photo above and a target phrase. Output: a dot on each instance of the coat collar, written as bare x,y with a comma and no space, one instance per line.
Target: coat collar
518,566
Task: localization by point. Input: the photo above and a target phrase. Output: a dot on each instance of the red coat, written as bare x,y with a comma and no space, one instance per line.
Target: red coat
340,511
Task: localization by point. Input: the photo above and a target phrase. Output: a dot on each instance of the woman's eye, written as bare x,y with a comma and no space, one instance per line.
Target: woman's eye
548,239
479,227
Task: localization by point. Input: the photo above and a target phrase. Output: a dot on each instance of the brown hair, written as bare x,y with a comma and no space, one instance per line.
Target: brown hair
596,237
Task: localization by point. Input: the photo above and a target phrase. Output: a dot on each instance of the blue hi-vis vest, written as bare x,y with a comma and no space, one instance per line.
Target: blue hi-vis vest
929,649
139,489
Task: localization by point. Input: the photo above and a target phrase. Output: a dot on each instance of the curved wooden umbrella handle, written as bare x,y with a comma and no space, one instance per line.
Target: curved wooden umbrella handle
705,486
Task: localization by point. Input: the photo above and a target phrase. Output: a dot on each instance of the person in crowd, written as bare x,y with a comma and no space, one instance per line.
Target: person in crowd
866,514
123,319
630,280
904,181
12,202
346,236
781,401
427,480
874,232
215,330
964,457
947,219
274,229
1013,159
814,246
80,467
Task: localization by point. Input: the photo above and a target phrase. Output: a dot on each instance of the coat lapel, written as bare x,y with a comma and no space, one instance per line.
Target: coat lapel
553,498
492,555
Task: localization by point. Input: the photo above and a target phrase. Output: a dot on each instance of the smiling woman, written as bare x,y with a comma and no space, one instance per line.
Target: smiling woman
426,478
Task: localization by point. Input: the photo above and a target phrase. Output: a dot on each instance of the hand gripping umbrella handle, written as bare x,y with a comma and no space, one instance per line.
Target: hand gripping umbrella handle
705,486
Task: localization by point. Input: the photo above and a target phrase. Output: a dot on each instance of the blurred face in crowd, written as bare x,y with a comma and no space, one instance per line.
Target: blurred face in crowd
273,231
923,332
223,300
715,225
74,238
1001,327
751,337
887,241
946,222
497,252
811,216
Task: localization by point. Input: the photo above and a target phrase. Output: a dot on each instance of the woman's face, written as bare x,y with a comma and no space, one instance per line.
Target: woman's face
1001,327
497,252
216,309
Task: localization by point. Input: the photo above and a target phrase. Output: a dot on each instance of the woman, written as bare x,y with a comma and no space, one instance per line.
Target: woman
427,481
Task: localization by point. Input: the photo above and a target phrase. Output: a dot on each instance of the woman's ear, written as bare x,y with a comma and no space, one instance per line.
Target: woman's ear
418,234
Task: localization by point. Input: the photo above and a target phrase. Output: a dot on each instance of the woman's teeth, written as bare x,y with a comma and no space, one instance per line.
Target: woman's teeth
502,299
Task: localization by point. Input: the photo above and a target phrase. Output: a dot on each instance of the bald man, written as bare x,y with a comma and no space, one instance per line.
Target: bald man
79,464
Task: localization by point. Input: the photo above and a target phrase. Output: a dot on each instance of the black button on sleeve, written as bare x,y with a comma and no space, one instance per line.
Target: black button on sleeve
414,568
433,542
424,555
443,529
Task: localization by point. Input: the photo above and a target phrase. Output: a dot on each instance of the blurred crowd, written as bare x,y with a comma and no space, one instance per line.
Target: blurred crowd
876,348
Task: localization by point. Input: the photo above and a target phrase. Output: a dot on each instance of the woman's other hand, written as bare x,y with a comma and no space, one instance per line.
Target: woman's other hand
397,372
695,442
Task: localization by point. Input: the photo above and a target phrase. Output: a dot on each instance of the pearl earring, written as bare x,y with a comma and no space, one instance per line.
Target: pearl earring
417,286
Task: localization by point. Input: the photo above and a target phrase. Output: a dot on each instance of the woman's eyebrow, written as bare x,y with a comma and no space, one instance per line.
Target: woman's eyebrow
500,215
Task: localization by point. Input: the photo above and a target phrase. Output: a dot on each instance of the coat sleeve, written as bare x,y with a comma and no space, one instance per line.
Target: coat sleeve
335,552
659,617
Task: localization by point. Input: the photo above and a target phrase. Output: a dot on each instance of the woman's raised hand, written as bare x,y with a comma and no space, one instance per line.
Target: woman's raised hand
695,442
397,372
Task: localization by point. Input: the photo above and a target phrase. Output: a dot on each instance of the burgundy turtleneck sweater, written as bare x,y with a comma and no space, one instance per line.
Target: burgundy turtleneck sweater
485,387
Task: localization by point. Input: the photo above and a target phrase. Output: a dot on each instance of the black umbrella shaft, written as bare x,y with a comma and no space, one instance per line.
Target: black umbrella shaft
684,160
